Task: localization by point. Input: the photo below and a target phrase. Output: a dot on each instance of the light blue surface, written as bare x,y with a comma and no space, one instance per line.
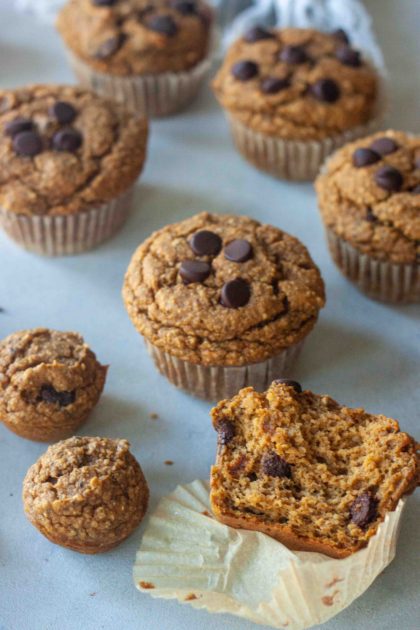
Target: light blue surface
361,352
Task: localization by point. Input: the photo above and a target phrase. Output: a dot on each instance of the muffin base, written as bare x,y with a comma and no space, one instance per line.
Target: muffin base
380,280
61,235
43,433
216,382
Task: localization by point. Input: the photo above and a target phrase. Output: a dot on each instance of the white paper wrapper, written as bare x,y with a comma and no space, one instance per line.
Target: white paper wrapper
187,555
380,280
219,382
67,234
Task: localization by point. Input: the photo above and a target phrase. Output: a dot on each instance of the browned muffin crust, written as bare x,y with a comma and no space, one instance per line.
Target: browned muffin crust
49,383
299,467
189,320
129,37
381,222
86,493
101,157
318,94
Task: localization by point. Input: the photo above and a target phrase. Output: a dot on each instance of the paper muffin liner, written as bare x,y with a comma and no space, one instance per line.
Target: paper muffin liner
60,235
185,554
380,280
218,382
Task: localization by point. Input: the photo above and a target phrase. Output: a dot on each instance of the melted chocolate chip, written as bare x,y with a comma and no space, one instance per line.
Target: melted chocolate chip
349,56
325,90
273,85
162,24
252,476
63,112
235,293
244,70
50,395
28,143
293,54
18,125
225,431
256,34
206,243
110,46
68,139
384,146
363,510
287,381
194,271
275,466
238,250
363,157
341,34
389,178
104,3
184,7
370,216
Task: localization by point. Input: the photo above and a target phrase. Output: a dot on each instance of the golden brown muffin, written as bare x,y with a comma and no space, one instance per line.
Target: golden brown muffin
49,383
307,471
86,493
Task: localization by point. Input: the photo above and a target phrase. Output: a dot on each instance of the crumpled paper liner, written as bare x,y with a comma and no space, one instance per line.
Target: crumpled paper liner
380,280
219,382
185,554
60,235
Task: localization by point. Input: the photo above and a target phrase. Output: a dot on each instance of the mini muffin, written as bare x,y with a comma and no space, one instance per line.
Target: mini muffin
151,55
222,302
369,197
294,95
49,383
86,493
307,471
68,162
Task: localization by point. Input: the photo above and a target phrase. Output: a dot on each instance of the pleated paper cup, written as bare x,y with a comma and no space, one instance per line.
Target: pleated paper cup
60,235
380,280
185,554
217,382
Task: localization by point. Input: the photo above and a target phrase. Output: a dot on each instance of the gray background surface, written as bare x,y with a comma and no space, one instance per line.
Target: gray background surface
361,352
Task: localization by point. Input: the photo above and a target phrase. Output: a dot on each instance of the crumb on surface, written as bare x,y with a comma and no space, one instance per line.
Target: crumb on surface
153,416
333,582
146,585
168,462
190,597
207,513
328,600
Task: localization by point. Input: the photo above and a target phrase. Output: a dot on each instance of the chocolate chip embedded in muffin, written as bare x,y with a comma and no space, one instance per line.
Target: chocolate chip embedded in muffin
49,394
326,90
273,85
239,250
27,143
363,510
349,57
163,24
384,146
273,465
290,383
206,243
389,178
293,55
365,157
67,140
63,112
194,271
225,431
245,70
235,293
17,125
257,33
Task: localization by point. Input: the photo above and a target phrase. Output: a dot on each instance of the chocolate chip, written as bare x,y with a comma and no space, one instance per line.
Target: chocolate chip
256,34
363,157
370,216
63,112
275,466
389,178
163,24
184,7
384,146
238,250
206,243
252,476
348,56
110,46
235,293
363,510
104,3
293,55
325,90
272,85
341,34
244,70
18,125
225,431
50,395
194,271
27,143
415,190
287,381
68,139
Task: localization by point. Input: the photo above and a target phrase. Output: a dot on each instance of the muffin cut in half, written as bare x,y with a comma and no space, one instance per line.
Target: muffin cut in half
305,470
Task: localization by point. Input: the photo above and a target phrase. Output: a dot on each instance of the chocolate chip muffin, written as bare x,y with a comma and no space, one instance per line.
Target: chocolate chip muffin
294,95
369,197
307,471
49,383
68,162
86,493
222,302
151,55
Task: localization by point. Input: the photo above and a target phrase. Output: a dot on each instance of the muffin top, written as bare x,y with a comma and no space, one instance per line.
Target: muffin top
297,83
369,195
222,290
63,149
128,37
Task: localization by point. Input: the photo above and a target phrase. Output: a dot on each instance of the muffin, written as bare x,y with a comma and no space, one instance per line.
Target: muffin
49,383
68,163
86,493
222,302
150,55
369,197
307,471
292,96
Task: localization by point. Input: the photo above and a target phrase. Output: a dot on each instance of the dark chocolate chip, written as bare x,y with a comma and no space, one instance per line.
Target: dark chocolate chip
272,85
50,395
287,381
252,476
235,293
325,90
63,112
245,70
293,55
238,250
27,143
384,146
163,24
415,190
18,125
194,271
184,7
275,466
341,34
110,46
104,3
206,243
363,510
68,139
349,56
363,157
389,178
256,34
370,216
225,431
